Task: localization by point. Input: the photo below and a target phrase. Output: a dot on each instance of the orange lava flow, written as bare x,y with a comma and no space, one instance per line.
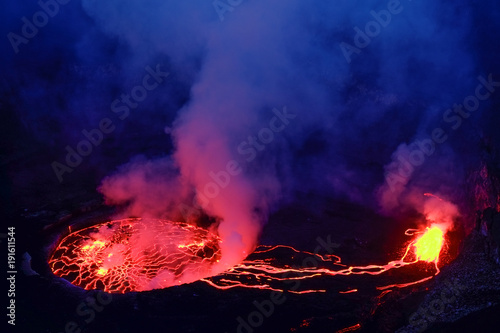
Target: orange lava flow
350,328
143,254
261,274
349,291
135,255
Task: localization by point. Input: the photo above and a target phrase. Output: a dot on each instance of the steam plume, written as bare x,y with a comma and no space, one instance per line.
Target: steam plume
353,119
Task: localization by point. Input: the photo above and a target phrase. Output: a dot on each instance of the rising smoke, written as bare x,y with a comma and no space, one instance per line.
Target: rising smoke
354,118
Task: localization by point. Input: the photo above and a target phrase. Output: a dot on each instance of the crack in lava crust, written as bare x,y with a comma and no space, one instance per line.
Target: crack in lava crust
136,255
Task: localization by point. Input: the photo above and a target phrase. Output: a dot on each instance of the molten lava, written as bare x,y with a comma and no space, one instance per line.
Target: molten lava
429,245
144,254
252,273
135,255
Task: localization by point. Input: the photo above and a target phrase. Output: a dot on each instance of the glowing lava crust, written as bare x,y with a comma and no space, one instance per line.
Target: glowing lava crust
263,274
135,255
144,254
